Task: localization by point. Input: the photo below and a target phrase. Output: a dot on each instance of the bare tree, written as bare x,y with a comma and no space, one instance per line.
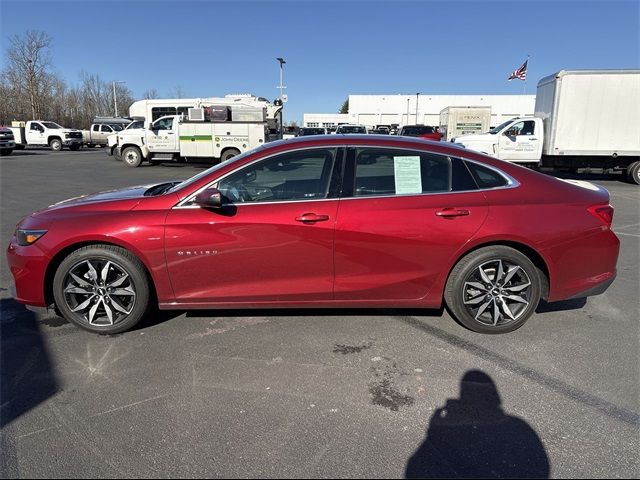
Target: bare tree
176,92
149,94
29,62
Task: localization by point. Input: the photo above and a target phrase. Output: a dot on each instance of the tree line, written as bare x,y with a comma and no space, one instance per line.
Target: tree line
31,90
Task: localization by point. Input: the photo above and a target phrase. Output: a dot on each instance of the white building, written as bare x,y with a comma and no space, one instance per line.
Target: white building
372,110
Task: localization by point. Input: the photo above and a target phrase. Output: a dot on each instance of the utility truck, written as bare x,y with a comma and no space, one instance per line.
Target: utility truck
458,121
583,119
44,133
207,133
152,109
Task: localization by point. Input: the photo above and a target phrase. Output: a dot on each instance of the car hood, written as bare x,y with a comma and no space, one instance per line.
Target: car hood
129,193
481,137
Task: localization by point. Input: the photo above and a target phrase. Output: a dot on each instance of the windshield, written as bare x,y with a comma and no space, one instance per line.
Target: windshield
416,131
51,125
208,171
116,128
352,130
136,124
495,130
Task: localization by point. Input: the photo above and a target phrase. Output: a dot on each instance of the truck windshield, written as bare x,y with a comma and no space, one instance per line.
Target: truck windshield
495,130
134,125
51,125
116,128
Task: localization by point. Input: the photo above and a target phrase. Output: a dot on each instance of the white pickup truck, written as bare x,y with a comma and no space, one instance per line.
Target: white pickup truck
7,143
173,137
583,119
44,133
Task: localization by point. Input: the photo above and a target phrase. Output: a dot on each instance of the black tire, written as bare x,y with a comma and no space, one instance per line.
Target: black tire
466,284
74,148
6,152
155,162
90,145
20,146
55,144
229,154
132,157
120,261
633,173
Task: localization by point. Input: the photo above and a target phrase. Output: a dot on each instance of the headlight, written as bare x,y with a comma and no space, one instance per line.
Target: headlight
28,237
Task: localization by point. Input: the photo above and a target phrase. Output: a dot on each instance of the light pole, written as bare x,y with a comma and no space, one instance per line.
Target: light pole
281,87
417,95
408,100
115,100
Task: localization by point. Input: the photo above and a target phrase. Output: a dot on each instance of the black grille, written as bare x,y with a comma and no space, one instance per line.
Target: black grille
74,135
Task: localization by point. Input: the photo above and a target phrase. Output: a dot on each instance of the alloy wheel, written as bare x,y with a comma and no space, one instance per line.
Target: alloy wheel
99,291
497,292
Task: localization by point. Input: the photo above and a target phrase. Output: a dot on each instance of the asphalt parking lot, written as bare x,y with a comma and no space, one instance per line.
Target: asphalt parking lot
375,393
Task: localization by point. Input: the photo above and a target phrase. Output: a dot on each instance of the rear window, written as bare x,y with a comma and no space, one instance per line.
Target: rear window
416,131
486,177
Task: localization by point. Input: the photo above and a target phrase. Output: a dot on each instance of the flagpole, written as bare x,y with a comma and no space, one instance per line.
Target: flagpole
524,88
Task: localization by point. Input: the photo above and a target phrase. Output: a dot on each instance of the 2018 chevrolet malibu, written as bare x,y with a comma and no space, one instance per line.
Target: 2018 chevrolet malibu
324,221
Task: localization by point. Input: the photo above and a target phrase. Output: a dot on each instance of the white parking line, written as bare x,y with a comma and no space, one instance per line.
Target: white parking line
628,234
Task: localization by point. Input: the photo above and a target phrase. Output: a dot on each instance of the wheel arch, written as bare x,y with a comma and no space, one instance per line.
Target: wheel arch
62,253
140,149
230,147
536,258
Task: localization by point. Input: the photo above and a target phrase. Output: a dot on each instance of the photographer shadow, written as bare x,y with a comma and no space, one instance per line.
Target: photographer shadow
472,437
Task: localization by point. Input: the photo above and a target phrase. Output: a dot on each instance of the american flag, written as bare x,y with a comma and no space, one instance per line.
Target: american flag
520,73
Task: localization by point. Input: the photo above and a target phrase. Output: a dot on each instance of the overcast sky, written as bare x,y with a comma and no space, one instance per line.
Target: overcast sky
210,48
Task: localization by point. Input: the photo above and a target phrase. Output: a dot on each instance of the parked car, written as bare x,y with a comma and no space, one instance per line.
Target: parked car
7,141
420,131
351,129
357,221
312,131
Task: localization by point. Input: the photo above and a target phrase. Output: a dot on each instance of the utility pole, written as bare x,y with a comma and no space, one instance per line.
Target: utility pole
115,100
417,95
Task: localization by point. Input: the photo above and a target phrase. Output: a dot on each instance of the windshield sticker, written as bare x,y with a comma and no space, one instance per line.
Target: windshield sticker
407,174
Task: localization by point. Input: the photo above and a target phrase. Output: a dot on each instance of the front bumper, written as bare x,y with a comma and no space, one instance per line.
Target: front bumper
28,266
5,145
72,141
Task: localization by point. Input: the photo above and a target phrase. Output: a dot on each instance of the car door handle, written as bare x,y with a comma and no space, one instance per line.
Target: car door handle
312,218
452,212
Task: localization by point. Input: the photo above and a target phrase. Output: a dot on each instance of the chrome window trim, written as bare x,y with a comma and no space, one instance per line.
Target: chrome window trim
511,182
188,198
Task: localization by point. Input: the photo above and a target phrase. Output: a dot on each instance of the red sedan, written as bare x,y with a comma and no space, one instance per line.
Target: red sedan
324,221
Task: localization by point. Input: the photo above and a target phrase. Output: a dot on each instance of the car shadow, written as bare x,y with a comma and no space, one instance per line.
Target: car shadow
564,305
473,437
315,312
584,176
27,375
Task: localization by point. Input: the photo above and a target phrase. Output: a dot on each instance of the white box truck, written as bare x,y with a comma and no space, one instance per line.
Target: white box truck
582,119
196,136
459,121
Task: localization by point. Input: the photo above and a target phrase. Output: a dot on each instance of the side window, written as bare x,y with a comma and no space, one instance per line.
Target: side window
106,128
95,128
528,128
303,175
157,112
461,179
485,177
164,124
36,127
400,172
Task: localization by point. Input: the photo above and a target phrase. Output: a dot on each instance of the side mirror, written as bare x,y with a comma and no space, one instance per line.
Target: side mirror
151,126
209,198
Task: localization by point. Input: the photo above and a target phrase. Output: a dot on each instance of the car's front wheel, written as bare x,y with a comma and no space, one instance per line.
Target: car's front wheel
102,288
493,290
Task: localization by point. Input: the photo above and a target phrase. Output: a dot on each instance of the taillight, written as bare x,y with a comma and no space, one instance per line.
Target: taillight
603,212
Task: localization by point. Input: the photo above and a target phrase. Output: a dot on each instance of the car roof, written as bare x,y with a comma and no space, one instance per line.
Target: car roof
362,139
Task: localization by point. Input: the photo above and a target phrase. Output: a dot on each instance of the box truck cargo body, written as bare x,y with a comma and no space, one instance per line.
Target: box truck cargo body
583,119
459,121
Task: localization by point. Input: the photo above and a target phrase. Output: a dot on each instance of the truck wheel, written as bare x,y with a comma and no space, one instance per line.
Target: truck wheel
19,146
228,154
6,152
132,156
74,147
633,173
55,144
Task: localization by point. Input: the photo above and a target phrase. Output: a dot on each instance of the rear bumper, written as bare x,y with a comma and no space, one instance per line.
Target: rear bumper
598,289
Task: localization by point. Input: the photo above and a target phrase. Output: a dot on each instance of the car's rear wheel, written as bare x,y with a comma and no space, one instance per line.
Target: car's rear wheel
102,288
493,290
